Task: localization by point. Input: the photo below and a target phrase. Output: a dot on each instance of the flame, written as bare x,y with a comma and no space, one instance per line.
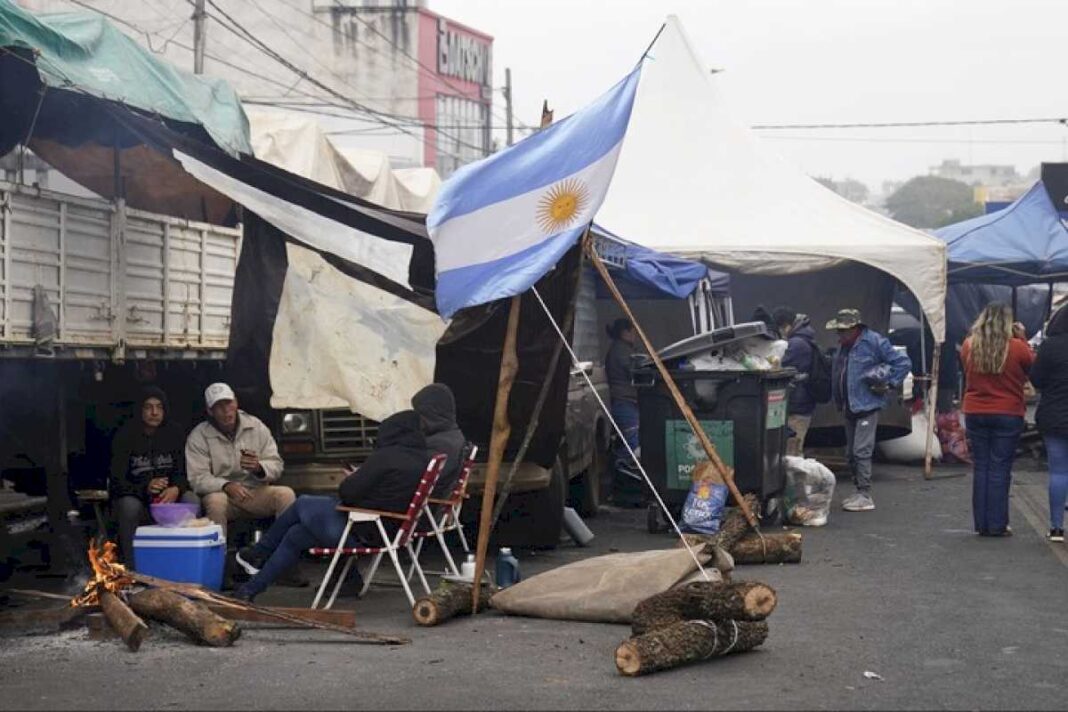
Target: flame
108,575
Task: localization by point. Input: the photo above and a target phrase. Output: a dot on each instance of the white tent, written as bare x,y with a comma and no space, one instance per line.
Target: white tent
694,182
299,145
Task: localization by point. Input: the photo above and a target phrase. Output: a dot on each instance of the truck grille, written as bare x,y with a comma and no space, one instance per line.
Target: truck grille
344,432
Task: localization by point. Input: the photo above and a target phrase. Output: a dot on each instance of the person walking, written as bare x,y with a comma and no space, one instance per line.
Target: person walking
996,359
1049,375
866,366
801,352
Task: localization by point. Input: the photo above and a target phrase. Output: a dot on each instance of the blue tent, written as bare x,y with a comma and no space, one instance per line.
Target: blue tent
1026,243
642,273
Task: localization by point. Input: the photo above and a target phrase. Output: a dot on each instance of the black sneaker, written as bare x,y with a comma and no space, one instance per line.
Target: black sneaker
250,560
1056,535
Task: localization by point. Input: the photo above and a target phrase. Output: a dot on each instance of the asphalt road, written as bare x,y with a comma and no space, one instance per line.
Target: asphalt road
946,619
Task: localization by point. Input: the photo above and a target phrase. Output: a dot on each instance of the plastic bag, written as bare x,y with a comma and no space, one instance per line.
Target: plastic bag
952,437
703,510
809,491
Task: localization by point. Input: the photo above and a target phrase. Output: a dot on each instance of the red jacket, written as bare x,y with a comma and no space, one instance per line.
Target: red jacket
997,393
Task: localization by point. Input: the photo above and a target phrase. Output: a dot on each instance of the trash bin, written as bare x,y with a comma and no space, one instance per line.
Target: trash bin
743,413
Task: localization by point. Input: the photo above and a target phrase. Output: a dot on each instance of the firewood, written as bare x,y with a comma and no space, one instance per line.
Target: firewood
192,618
734,525
703,600
448,600
777,548
123,620
334,616
687,642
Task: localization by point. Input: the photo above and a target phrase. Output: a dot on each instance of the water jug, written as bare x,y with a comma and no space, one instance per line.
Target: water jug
507,568
467,568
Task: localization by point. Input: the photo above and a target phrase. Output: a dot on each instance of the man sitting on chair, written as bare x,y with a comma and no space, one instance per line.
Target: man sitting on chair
386,482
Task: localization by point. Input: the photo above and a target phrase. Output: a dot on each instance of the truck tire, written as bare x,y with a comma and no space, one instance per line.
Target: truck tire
535,519
586,488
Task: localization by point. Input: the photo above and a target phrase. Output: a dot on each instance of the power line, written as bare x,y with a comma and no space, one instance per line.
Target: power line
911,124
884,139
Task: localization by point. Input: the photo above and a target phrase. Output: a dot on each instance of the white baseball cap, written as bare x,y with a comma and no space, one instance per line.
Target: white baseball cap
217,392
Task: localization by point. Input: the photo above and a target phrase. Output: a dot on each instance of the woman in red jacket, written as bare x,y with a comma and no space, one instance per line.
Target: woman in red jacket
996,362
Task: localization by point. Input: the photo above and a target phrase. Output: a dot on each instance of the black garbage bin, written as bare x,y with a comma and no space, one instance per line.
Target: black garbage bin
743,413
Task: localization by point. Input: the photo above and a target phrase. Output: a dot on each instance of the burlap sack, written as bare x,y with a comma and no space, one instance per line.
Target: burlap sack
604,589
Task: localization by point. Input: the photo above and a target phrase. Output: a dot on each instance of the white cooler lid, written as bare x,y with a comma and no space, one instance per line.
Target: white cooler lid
154,535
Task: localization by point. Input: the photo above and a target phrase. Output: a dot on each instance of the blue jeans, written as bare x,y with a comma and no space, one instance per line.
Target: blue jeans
310,521
1057,457
625,413
992,439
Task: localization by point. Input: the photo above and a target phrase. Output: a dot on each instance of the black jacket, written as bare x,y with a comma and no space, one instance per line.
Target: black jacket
1049,375
799,353
137,459
436,407
618,370
389,477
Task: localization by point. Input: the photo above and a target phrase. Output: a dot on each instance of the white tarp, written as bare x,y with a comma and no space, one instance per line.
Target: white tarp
341,343
299,145
694,182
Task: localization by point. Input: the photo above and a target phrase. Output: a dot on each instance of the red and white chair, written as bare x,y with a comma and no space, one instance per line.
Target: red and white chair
443,516
401,540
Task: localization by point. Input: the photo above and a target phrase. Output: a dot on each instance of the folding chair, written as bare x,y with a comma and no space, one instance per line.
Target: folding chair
447,516
402,539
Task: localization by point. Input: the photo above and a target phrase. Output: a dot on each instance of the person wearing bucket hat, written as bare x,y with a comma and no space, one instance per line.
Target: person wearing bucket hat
865,367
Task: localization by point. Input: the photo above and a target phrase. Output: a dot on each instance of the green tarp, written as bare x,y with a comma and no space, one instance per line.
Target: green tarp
83,52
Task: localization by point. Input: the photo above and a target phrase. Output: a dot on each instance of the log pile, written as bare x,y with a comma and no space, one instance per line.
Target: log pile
695,622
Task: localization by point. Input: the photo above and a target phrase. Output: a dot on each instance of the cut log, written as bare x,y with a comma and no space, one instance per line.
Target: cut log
687,642
778,548
192,618
734,525
124,621
702,600
448,600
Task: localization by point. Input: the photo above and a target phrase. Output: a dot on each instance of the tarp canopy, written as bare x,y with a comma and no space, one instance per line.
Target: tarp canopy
65,76
1023,244
643,273
692,181
299,145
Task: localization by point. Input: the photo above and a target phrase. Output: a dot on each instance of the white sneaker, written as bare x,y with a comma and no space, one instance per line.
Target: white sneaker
860,502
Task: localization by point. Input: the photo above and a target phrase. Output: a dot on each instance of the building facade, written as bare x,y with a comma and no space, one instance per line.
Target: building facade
389,75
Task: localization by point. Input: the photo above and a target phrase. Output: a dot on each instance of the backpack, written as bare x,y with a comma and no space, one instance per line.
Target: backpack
819,379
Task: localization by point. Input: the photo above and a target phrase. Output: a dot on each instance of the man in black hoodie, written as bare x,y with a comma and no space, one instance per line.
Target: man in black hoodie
801,339
147,465
385,482
436,407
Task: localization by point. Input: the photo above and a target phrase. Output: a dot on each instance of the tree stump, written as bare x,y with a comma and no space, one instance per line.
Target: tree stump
702,600
778,548
192,618
687,642
448,600
123,620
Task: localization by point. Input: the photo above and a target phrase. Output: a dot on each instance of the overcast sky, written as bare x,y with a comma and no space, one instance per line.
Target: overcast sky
815,61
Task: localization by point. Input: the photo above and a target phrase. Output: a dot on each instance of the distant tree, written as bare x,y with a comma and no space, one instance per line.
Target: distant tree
850,188
932,202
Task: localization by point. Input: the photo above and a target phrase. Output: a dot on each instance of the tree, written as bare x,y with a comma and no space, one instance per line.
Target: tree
932,202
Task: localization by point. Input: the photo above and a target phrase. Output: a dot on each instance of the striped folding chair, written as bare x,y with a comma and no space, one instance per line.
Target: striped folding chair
443,516
390,546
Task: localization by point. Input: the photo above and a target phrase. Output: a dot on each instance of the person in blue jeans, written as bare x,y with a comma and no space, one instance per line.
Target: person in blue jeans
622,393
996,359
385,482
1049,375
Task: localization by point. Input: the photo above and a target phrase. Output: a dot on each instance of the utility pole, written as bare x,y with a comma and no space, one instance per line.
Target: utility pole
508,104
200,38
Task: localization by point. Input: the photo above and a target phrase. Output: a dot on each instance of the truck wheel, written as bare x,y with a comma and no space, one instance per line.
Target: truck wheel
586,488
535,519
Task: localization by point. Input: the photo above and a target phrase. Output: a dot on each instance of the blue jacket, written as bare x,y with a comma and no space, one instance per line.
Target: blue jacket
871,360
799,356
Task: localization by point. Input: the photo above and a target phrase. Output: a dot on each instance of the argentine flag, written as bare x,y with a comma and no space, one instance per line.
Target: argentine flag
499,224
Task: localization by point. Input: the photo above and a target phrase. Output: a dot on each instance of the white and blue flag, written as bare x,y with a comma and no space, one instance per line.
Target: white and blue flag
499,224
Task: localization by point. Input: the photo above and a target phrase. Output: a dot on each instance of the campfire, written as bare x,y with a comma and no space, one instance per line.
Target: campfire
108,575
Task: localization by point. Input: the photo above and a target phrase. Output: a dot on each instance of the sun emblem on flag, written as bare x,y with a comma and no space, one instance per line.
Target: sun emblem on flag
562,204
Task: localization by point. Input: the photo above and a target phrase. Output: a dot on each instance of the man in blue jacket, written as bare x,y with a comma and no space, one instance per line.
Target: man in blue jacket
866,366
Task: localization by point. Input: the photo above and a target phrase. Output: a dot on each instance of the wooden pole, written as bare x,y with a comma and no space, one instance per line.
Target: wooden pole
502,428
932,410
710,450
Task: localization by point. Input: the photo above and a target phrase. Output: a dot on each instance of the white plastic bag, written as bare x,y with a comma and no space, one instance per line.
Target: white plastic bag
809,491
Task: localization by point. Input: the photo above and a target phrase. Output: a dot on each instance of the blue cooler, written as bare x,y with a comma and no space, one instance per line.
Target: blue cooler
184,554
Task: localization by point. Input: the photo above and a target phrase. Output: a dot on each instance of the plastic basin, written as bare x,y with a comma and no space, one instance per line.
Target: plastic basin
173,515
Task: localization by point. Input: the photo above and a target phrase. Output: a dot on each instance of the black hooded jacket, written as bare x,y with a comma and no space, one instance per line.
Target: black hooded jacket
389,477
137,459
1049,375
436,407
799,353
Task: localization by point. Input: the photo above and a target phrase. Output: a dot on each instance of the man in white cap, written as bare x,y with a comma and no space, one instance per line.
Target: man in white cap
232,460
